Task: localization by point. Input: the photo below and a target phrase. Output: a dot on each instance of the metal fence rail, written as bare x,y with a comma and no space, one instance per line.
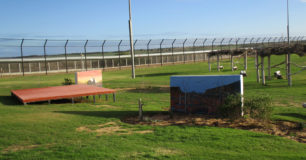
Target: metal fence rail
28,56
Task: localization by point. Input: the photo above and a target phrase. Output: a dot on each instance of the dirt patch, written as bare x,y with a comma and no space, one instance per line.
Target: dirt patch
16,148
294,131
154,152
111,128
104,106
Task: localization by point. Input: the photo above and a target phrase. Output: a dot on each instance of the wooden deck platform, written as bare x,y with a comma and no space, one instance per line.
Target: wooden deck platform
60,92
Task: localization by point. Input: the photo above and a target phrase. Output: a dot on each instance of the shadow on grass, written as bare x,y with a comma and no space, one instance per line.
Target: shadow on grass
9,100
158,74
150,90
111,114
295,115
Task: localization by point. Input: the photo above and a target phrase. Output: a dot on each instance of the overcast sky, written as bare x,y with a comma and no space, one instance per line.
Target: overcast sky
108,19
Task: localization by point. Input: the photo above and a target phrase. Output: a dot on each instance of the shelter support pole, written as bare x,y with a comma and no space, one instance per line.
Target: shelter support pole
269,67
263,71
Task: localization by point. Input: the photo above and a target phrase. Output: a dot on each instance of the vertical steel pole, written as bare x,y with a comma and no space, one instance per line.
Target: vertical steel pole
131,41
66,62
134,44
148,50
103,58
119,54
172,50
193,45
45,56
85,52
160,51
21,54
184,50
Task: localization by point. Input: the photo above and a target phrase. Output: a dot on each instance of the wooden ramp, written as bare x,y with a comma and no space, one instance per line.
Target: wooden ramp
59,92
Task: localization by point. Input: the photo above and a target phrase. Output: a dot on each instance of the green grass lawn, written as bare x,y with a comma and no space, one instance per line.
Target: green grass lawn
42,131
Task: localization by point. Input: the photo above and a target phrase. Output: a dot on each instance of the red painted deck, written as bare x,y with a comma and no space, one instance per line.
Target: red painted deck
58,92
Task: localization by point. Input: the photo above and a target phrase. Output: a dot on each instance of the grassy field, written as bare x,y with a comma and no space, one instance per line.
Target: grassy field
78,131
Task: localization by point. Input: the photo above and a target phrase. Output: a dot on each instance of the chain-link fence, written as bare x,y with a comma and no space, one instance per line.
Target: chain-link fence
29,56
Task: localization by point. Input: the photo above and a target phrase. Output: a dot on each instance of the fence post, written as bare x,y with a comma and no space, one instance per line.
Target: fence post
134,46
21,54
212,50
45,56
193,45
66,56
184,50
148,51
172,50
251,42
262,42
204,48
256,63
245,56
160,51
269,41
119,54
218,56
231,55
274,40
237,40
85,52
103,59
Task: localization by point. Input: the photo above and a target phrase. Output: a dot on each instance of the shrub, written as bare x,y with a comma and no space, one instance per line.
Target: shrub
258,107
67,81
231,107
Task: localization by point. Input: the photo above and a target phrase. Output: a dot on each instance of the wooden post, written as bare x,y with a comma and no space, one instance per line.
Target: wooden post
9,67
257,67
30,68
140,116
94,99
218,62
269,67
58,65
263,71
246,61
232,63
106,97
19,65
39,67
114,97
209,65
49,66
